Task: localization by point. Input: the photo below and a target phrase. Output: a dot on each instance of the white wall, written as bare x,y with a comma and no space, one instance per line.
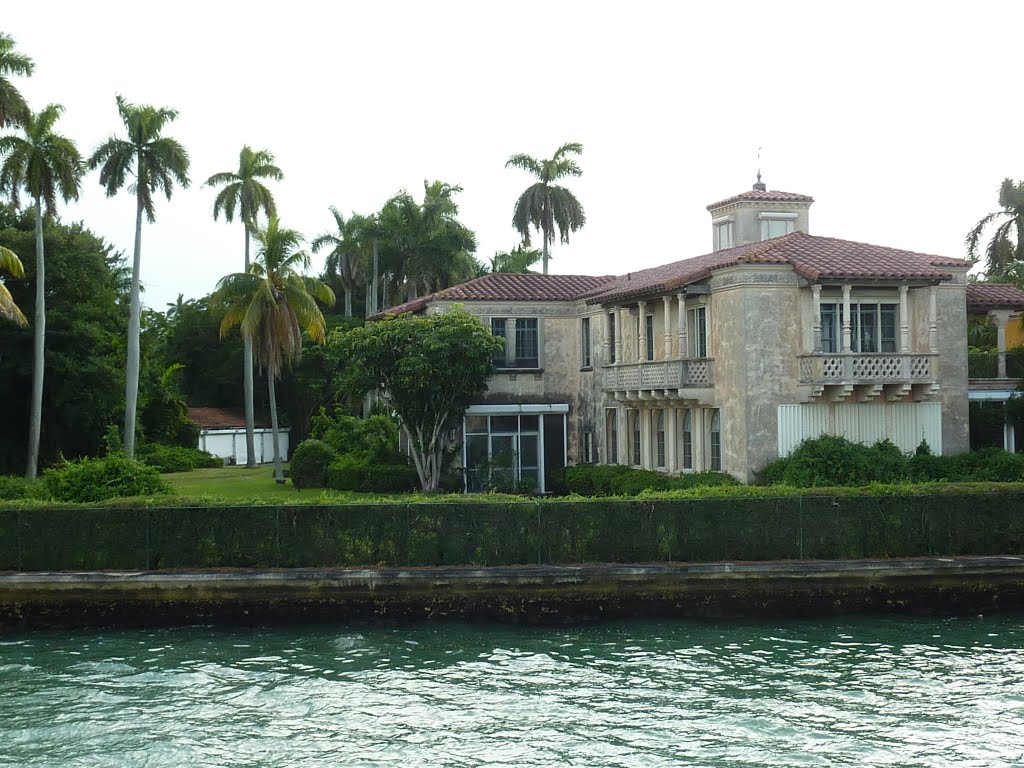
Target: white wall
905,424
230,444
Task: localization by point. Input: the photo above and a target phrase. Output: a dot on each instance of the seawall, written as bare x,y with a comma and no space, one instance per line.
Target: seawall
528,594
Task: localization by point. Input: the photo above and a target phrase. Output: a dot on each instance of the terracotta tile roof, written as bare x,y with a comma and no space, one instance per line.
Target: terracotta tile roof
757,195
502,286
984,296
816,258
220,418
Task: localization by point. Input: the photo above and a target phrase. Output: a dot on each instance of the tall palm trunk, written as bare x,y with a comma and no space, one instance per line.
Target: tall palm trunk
376,272
278,468
348,300
247,384
35,419
131,389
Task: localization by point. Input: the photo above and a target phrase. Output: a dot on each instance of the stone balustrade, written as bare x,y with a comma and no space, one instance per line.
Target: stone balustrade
659,374
856,368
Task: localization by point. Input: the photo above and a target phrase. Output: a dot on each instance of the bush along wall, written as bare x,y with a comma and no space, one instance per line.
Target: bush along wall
837,526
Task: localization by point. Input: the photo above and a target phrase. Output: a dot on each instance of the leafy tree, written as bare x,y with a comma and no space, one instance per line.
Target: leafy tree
344,262
545,205
427,370
156,161
11,264
86,319
1006,246
13,109
272,304
518,260
244,191
44,164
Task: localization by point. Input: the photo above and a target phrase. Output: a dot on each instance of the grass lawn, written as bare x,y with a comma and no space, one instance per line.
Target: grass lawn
247,484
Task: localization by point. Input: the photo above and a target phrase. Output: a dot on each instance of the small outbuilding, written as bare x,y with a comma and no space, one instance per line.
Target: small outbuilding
222,433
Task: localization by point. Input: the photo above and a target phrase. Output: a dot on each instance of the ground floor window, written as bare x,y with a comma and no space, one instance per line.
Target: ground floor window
634,421
715,442
612,435
659,439
512,447
687,439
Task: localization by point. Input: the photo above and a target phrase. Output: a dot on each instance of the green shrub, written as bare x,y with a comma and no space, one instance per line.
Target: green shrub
105,478
15,487
358,472
618,480
376,436
309,464
176,458
835,461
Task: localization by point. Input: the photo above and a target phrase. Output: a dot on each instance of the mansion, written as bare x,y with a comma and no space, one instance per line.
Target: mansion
728,360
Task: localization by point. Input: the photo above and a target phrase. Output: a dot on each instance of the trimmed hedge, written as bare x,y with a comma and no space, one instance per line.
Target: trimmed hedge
359,472
89,480
308,468
848,525
617,480
176,458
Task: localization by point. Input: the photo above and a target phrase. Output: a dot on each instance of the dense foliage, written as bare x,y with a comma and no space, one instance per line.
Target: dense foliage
830,461
617,480
175,458
86,326
113,476
310,460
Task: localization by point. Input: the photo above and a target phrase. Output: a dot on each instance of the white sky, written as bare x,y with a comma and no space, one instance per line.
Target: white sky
900,118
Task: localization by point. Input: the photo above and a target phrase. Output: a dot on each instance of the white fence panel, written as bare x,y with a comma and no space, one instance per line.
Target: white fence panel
798,423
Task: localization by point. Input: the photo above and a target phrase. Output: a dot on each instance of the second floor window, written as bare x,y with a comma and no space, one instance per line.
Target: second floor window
649,337
585,342
872,330
611,338
698,331
527,343
498,325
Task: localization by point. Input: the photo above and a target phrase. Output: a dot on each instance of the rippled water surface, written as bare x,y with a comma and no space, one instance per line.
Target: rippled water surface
864,691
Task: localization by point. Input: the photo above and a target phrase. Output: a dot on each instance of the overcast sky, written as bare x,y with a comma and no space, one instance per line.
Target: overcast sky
900,118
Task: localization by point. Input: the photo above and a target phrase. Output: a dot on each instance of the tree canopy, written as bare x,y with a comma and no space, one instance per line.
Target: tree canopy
427,370
13,109
1004,252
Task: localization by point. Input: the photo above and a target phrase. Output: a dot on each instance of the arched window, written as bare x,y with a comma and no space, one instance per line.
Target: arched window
716,441
635,453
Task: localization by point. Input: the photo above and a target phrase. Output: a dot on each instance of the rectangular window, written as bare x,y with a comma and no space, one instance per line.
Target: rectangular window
687,433
611,337
659,439
723,235
501,452
649,336
697,337
527,343
831,327
588,447
873,327
585,341
716,441
634,421
612,435
498,330
776,227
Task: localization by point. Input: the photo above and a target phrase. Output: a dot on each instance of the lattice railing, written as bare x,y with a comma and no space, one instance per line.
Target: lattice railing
853,368
659,374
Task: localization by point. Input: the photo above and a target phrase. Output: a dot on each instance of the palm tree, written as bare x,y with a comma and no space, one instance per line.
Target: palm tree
13,108
244,192
347,243
518,260
545,205
46,165
156,162
1007,243
11,264
273,303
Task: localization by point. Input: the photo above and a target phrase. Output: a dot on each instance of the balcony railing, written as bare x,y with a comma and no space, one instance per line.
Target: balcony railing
984,363
659,374
855,368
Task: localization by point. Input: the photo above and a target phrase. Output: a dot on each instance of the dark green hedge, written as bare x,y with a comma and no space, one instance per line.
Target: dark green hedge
470,533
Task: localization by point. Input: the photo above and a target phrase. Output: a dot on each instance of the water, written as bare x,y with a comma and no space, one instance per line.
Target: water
857,691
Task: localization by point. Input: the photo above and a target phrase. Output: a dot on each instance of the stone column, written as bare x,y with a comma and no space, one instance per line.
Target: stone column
847,320
904,321
641,333
667,302
681,301
510,342
933,320
1001,317
816,324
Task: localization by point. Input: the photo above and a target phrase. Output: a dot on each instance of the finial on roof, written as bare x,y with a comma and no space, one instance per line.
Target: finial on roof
760,185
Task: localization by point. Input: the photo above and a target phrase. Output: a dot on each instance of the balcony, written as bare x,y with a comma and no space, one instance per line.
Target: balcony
838,375
659,375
